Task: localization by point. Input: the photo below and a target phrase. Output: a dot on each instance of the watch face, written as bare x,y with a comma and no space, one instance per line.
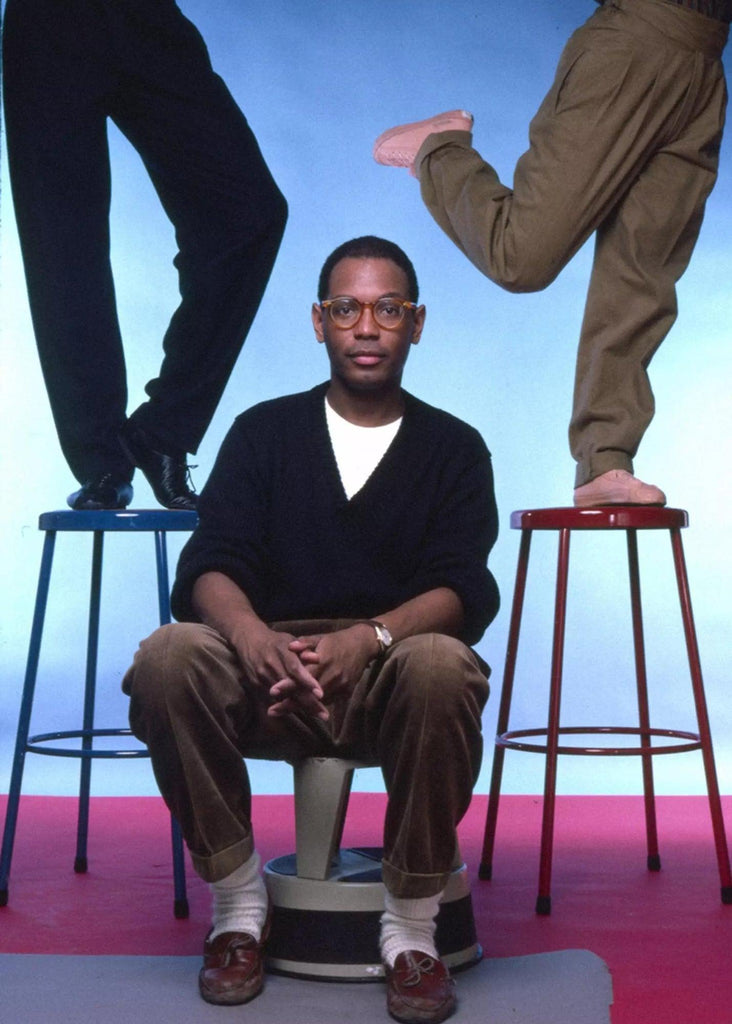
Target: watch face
384,635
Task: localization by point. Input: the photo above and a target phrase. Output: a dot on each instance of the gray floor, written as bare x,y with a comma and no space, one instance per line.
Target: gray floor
567,987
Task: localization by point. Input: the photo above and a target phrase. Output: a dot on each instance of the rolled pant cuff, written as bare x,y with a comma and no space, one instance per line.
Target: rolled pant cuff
600,463
220,865
412,887
439,139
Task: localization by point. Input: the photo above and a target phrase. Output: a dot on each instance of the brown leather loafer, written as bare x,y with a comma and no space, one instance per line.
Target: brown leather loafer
419,988
233,969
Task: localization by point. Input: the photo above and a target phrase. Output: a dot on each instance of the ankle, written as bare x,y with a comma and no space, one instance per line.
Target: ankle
240,901
408,924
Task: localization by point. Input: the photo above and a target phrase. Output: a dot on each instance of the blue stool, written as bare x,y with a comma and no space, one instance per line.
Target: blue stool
160,522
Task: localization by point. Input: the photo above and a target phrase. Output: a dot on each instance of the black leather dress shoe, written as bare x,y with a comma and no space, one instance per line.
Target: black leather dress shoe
109,490
166,472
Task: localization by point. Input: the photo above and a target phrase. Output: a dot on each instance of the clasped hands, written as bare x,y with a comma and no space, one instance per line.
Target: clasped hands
303,674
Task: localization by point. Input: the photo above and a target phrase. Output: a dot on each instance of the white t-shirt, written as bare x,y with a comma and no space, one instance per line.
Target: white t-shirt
358,450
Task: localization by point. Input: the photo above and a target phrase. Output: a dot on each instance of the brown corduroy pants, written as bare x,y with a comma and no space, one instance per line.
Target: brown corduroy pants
626,143
416,711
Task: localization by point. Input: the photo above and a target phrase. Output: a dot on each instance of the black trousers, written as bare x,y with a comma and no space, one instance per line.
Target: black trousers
68,66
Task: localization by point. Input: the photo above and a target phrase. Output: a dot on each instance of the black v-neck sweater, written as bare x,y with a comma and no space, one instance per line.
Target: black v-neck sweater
274,517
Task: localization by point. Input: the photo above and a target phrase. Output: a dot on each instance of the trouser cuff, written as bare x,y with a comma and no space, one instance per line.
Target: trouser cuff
409,886
218,865
602,462
439,139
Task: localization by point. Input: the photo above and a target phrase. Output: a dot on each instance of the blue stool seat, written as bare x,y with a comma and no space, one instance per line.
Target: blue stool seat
159,522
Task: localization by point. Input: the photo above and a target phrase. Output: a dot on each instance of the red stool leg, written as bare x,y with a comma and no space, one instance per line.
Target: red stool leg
644,717
543,900
485,870
705,736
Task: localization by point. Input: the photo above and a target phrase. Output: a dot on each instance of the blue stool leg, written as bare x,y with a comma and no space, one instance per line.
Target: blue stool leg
180,901
92,649
161,562
26,706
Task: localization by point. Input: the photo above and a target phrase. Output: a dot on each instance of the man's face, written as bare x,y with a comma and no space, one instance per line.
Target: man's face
368,356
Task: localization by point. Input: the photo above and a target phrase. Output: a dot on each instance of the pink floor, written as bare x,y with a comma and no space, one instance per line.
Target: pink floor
666,937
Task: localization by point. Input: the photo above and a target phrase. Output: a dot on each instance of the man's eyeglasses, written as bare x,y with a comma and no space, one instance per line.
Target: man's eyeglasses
345,311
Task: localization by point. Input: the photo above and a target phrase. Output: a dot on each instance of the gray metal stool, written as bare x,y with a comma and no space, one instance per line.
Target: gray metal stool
327,902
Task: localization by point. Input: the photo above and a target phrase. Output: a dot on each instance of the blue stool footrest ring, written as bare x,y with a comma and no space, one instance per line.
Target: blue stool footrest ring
82,734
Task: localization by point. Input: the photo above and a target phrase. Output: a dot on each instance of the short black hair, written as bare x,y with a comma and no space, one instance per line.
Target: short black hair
369,247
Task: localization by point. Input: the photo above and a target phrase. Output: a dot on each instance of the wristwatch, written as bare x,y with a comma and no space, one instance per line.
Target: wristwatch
382,635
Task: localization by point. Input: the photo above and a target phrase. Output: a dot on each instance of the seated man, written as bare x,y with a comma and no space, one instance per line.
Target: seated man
327,598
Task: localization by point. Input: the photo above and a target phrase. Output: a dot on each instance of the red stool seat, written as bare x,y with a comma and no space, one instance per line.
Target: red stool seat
609,517
631,519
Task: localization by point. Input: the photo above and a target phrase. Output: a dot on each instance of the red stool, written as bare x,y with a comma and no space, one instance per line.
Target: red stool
630,518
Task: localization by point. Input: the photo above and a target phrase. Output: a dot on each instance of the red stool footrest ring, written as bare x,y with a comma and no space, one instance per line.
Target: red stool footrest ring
510,740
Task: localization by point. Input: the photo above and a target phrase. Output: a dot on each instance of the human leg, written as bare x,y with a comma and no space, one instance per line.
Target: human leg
419,715
187,704
603,143
198,715
184,705
424,717
620,88
582,152
611,103
55,82
228,214
641,251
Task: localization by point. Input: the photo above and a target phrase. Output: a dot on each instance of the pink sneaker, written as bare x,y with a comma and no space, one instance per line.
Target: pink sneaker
399,146
617,487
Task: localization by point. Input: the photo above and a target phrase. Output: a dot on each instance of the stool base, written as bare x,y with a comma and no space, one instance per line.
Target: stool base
329,930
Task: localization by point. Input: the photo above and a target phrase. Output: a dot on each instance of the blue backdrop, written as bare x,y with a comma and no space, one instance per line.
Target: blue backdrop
318,81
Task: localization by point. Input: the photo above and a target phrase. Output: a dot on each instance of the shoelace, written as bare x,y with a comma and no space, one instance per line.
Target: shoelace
189,479
423,966
169,471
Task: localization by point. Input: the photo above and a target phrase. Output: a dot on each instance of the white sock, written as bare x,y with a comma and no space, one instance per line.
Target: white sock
240,900
408,924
